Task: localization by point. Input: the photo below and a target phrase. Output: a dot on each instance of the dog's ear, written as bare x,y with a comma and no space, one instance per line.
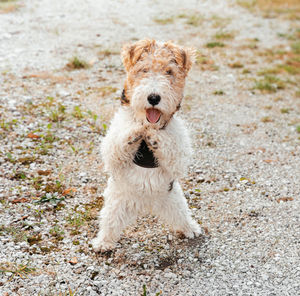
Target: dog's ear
184,57
131,53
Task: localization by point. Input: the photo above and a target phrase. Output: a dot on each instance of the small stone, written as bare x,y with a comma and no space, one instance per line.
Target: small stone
73,260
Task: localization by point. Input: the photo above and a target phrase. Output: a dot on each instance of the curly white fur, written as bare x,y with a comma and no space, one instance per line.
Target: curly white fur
133,190
153,68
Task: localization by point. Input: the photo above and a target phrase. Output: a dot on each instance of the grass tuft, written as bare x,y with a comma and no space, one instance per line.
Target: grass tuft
21,270
164,21
214,44
224,35
236,65
269,84
76,63
266,119
219,92
194,20
296,47
7,6
285,110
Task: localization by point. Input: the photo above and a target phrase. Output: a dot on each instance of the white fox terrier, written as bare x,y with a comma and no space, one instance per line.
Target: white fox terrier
147,147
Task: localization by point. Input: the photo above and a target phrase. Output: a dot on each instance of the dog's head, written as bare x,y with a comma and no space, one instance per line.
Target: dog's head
155,79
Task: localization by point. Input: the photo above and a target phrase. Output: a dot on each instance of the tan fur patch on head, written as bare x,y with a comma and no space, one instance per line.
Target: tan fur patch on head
131,53
148,58
183,56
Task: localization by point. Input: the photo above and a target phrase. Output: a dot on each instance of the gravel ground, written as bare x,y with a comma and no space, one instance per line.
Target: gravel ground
242,102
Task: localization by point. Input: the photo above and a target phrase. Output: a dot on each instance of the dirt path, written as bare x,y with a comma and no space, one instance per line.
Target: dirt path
242,102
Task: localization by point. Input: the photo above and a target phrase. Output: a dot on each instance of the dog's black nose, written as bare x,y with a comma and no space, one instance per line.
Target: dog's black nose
153,99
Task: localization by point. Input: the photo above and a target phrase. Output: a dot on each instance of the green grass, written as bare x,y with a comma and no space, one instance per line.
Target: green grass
77,112
290,69
266,119
248,4
7,6
194,20
57,232
291,66
21,270
52,198
107,90
269,84
224,35
108,52
164,21
219,92
215,44
17,234
246,71
268,71
76,220
285,110
219,22
76,63
56,113
236,65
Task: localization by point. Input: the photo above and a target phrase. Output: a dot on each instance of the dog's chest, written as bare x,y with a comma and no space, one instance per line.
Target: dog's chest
144,157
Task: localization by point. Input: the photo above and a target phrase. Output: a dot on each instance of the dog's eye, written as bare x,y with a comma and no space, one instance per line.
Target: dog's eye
169,72
145,70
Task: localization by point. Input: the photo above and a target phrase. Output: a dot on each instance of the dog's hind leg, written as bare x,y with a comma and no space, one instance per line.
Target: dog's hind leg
117,213
173,210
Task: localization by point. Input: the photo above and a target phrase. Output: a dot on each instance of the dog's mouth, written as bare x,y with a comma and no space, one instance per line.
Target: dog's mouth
153,115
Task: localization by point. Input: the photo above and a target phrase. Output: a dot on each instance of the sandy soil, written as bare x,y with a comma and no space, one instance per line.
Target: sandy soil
242,103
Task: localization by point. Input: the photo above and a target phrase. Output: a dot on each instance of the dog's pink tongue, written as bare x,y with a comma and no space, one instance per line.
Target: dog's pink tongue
153,115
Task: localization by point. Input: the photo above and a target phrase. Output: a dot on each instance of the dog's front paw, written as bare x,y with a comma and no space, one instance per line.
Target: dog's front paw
100,245
152,139
192,231
136,135
134,139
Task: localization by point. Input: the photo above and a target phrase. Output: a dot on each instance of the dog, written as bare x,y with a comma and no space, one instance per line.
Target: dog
147,147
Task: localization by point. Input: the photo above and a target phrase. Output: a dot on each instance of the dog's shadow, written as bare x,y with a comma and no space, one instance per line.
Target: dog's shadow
175,254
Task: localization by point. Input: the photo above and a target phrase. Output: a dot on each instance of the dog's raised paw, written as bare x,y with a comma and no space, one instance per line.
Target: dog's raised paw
152,143
134,139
